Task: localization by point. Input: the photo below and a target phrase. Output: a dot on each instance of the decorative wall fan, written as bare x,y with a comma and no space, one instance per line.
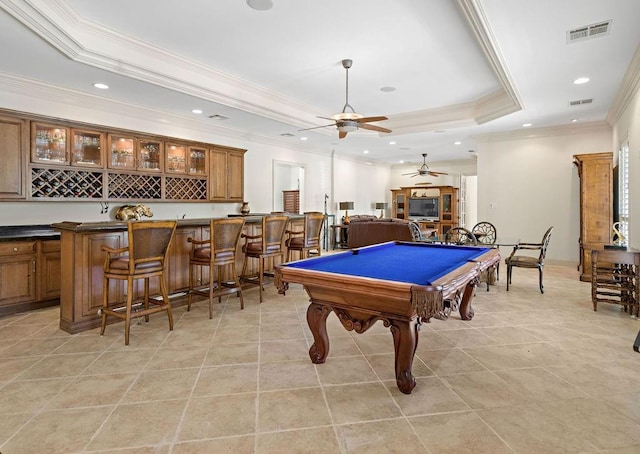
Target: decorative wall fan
348,120
423,170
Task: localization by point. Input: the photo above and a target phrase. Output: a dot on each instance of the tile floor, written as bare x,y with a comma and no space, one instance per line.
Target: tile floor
530,373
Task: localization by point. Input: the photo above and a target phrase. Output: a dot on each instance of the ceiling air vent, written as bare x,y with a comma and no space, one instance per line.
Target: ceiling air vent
218,117
588,31
579,102
287,134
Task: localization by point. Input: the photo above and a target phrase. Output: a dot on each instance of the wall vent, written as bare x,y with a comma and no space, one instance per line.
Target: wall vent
579,102
588,31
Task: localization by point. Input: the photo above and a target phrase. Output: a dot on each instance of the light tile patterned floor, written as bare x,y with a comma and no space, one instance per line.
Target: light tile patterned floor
530,373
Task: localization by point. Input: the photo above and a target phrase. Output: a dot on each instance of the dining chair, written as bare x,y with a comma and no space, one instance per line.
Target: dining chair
460,236
268,244
486,234
527,261
217,253
144,257
308,239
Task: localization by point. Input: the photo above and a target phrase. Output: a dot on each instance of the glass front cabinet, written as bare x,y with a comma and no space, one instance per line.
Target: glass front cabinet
87,148
198,162
50,144
399,198
130,153
185,159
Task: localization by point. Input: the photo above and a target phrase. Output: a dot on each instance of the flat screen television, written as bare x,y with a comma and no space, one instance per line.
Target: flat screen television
424,208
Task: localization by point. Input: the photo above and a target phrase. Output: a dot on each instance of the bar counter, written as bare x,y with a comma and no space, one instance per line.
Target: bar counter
82,260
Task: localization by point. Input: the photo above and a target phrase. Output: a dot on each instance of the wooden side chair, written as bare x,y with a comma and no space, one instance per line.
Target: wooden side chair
526,261
143,258
308,239
268,244
615,279
217,253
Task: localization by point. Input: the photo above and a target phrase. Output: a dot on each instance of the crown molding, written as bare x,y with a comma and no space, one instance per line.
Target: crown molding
534,133
28,88
90,43
475,15
628,89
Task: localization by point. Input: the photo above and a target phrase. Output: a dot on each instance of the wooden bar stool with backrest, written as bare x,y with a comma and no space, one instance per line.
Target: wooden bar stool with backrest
143,258
308,239
218,252
269,244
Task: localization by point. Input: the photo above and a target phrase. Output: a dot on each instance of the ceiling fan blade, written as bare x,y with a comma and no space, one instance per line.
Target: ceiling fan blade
370,119
373,127
342,134
435,174
411,173
325,118
316,127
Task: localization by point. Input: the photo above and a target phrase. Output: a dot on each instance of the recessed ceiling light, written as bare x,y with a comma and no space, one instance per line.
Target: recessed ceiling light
388,89
196,111
303,138
101,86
457,142
401,161
526,125
393,142
366,151
260,5
574,120
581,80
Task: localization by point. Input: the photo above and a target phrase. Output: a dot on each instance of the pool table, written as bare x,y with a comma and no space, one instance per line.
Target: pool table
401,283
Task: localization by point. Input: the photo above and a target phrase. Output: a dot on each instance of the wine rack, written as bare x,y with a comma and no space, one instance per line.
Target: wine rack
50,183
178,188
130,186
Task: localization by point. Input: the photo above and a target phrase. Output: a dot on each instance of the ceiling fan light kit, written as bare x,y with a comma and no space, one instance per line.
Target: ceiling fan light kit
423,170
349,120
260,5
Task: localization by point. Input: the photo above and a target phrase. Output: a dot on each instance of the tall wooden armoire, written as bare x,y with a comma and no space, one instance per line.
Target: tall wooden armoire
596,205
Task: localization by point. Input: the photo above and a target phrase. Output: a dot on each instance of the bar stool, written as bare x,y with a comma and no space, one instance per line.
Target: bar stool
268,244
307,239
143,258
218,252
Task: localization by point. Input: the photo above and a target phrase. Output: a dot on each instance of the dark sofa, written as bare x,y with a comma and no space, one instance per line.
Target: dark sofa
371,230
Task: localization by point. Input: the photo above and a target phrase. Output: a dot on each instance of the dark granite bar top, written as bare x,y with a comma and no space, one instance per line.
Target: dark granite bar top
28,232
52,232
117,225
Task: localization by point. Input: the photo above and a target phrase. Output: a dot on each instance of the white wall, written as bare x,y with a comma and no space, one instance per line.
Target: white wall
627,127
528,183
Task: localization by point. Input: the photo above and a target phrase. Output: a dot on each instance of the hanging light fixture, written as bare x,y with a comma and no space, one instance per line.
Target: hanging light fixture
260,5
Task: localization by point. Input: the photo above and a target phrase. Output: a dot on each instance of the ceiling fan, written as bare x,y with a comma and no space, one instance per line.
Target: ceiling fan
348,120
423,170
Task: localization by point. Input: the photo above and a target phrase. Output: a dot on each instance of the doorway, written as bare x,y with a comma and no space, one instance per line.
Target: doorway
287,176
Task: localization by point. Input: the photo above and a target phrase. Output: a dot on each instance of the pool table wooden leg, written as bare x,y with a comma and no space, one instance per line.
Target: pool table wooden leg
317,319
405,341
466,311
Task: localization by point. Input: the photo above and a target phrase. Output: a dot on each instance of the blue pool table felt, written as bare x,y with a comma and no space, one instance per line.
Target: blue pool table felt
414,263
